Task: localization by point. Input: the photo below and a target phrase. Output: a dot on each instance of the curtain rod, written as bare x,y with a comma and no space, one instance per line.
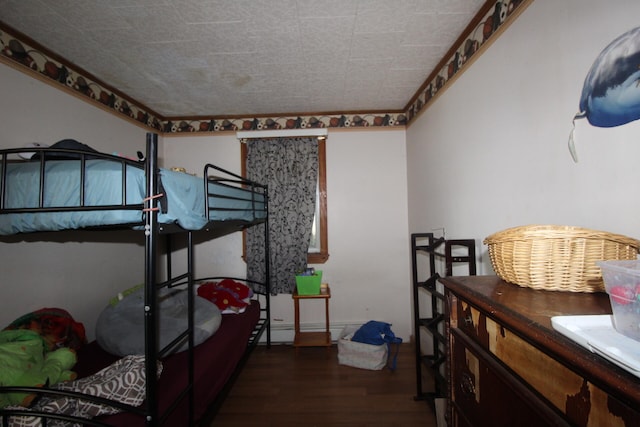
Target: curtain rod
280,133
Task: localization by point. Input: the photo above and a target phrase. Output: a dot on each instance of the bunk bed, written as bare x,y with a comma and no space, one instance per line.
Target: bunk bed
97,191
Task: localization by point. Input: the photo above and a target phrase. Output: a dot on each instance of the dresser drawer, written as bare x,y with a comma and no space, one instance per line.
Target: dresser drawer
467,319
484,392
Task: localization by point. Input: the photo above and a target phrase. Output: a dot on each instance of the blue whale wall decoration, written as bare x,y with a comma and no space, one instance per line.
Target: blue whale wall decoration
611,91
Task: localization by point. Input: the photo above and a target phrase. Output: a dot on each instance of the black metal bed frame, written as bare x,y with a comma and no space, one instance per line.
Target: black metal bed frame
153,231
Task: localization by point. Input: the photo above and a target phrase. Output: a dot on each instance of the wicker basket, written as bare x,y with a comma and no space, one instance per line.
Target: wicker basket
556,258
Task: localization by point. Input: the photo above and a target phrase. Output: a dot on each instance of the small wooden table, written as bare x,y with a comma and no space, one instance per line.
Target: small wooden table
311,339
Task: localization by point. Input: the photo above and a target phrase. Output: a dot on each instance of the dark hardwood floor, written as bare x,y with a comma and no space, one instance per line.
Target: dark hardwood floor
282,387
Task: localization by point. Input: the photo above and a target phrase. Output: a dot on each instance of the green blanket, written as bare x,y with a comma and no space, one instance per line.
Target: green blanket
26,361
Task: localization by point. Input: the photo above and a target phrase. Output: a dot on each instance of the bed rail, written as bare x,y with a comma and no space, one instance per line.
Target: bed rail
42,156
75,189
7,413
252,192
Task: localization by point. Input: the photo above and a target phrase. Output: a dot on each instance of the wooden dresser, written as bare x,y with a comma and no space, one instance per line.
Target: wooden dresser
507,366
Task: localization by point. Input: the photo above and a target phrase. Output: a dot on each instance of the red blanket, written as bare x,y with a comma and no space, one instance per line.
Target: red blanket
215,360
55,325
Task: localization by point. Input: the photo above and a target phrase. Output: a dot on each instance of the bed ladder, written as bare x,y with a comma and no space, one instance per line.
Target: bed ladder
154,417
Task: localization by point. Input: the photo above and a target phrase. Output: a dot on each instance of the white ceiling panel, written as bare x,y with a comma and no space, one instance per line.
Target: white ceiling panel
184,58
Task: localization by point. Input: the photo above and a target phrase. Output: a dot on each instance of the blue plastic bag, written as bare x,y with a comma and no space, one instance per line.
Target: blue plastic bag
378,333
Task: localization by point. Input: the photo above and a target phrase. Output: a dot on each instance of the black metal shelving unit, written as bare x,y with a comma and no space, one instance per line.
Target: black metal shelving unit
440,257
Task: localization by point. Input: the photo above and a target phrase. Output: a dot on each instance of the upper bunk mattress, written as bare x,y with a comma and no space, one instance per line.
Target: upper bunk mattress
183,204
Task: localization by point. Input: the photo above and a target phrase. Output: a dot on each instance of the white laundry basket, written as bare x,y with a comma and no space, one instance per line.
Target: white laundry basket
360,355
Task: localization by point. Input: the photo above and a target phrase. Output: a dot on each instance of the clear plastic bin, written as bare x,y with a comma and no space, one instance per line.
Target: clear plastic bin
622,283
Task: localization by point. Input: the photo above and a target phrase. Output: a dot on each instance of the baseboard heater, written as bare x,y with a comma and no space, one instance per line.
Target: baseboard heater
283,333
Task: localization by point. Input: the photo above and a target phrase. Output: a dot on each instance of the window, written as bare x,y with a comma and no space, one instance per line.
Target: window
319,247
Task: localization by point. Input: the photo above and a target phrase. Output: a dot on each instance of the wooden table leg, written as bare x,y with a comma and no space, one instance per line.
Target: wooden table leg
296,305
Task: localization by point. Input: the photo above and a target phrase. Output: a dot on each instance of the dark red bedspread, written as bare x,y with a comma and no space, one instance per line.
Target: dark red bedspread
215,360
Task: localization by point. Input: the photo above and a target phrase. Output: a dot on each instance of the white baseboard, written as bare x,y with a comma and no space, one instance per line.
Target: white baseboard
283,333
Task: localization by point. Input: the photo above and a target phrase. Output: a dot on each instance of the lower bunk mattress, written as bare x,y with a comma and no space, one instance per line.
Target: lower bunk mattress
214,361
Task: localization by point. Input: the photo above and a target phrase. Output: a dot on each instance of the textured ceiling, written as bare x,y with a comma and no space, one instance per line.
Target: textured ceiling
185,58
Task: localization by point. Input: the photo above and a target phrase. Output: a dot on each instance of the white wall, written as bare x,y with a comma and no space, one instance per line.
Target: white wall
366,178
491,152
37,112
76,274
368,268
368,238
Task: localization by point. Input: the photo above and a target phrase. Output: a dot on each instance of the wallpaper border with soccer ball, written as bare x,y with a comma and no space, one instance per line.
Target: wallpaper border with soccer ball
32,58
